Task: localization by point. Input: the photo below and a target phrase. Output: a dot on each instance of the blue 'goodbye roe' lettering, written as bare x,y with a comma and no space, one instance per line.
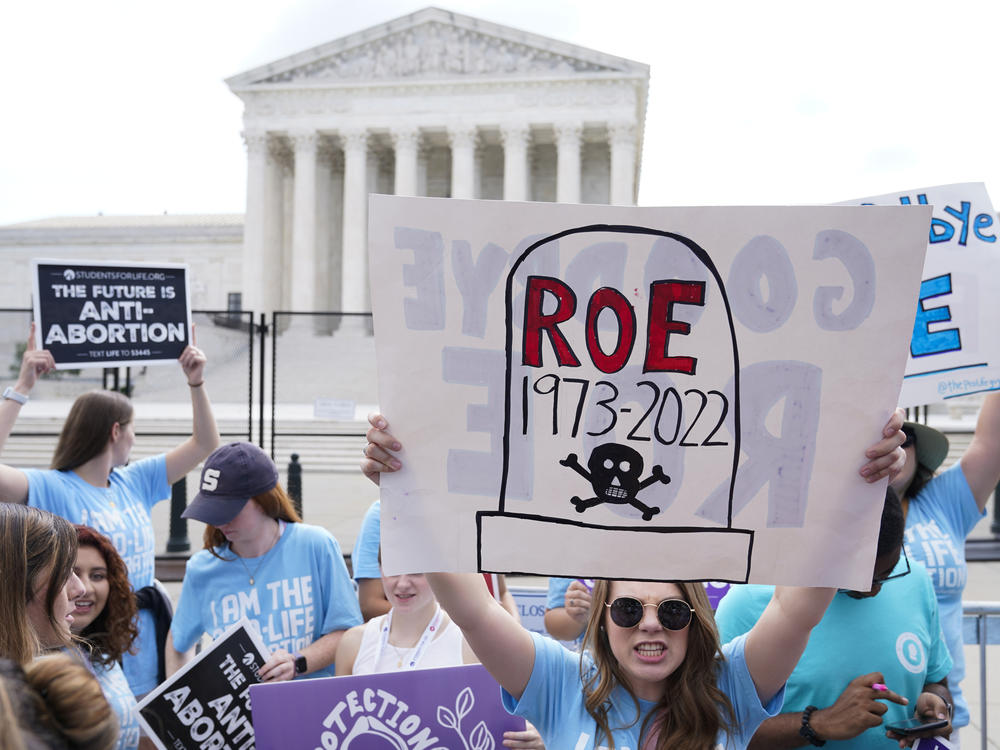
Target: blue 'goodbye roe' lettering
925,341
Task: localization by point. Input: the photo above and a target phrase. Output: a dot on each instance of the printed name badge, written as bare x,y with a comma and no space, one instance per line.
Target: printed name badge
615,395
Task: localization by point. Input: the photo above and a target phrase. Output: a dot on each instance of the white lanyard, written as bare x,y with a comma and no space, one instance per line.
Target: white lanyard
418,651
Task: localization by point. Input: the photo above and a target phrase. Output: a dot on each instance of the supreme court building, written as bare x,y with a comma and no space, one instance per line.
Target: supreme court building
433,103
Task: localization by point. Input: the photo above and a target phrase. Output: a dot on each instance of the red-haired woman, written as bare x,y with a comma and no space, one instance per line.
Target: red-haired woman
261,562
105,617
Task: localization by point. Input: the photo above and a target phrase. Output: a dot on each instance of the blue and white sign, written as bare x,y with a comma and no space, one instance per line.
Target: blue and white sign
955,350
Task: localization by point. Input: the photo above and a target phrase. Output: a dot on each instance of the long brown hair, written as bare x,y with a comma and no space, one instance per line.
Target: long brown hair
87,429
33,543
54,702
693,709
114,630
275,503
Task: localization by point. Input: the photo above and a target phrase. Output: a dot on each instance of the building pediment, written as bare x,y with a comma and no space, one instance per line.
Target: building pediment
433,44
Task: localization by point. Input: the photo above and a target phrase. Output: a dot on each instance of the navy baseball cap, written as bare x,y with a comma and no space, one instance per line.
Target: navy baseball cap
232,475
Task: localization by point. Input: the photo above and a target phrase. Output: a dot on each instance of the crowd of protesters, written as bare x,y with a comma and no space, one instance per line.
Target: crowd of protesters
642,664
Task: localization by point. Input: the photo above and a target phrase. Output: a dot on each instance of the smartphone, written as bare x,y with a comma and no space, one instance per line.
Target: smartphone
916,725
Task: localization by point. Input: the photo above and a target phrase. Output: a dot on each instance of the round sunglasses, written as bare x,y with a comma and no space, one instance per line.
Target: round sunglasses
673,614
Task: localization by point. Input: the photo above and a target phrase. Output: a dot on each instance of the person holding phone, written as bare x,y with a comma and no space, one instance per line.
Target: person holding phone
876,659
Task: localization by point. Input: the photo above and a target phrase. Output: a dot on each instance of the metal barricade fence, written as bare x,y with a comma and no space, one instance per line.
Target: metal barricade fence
159,393
981,627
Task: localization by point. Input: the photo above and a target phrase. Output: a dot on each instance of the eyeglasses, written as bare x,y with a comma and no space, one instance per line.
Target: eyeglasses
673,614
878,580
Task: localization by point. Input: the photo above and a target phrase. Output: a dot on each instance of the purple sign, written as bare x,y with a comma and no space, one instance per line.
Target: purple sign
420,709
716,590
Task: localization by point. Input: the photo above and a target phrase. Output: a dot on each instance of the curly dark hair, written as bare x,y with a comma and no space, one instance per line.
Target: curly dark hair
114,630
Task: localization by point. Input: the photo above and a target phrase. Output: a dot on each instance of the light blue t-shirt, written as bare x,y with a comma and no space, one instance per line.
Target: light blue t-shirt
553,701
896,632
364,556
557,592
120,697
301,592
937,522
120,512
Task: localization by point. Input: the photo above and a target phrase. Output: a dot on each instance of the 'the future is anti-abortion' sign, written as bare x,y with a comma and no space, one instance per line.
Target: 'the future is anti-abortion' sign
99,314
207,703
422,709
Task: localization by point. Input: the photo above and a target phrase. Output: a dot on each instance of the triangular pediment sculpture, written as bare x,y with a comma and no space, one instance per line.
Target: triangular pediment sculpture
434,44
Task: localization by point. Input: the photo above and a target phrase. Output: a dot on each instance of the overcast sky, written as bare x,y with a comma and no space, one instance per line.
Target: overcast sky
120,106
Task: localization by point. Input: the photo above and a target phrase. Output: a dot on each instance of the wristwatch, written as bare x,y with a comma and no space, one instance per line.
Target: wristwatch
300,663
12,395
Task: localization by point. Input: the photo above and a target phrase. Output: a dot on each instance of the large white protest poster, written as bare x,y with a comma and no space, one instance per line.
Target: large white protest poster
599,391
955,349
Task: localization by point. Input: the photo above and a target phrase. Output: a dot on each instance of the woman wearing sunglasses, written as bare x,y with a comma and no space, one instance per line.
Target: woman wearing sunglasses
653,673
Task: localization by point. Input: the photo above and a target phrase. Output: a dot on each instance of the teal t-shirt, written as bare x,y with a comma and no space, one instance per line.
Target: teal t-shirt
937,522
896,632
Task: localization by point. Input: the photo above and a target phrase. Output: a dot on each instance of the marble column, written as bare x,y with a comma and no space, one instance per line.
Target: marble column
407,144
568,140
463,161
324,234
303,296
254,224
622,138
354,295
515,140
276,246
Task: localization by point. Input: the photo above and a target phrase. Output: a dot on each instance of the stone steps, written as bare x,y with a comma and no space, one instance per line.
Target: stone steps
34,441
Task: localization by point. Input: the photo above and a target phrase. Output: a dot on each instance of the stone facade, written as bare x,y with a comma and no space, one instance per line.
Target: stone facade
434,104
211,245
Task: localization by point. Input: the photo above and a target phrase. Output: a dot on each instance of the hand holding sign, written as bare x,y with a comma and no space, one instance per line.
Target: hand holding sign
34,363
578,602
380,442
885,457
279,667
193,361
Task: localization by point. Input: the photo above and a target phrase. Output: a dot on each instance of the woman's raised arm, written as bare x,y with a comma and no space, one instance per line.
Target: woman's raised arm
204,433
34,363
498,640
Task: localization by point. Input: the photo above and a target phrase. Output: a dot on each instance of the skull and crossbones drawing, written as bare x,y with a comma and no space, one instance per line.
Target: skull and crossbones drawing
614,475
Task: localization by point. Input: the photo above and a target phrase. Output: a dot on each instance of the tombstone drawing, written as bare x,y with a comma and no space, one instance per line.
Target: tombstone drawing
631,364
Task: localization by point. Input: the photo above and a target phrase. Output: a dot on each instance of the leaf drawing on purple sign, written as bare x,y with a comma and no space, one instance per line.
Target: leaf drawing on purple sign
480,737
614,475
